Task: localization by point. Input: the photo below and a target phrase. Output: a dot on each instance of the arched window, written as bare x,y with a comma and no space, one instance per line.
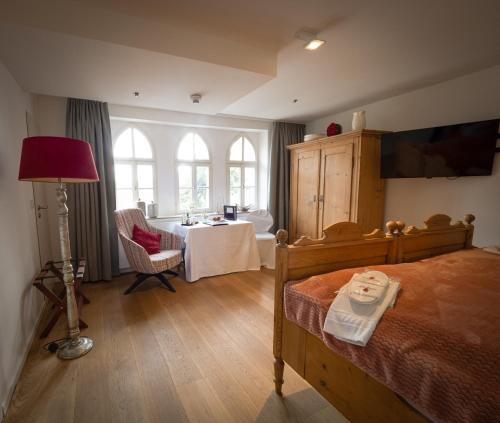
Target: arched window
193,173
134,169
242,173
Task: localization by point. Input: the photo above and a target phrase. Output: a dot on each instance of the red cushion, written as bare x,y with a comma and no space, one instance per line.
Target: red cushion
148,240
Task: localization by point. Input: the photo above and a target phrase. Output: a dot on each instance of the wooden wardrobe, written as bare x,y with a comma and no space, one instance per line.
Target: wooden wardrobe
336,179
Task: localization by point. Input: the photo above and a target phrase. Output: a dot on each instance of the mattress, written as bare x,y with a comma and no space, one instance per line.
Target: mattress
439,347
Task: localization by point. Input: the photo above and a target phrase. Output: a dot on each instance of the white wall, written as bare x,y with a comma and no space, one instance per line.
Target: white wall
20,302
469,98
170,117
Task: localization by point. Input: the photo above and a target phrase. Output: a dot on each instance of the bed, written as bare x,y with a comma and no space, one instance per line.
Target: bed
427,360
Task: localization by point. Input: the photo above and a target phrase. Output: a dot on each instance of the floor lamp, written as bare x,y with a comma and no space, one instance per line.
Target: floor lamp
62,160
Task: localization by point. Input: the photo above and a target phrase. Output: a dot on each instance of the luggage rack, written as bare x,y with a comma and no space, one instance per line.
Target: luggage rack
53,270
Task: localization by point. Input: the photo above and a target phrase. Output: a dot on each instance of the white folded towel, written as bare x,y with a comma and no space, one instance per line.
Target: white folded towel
354,322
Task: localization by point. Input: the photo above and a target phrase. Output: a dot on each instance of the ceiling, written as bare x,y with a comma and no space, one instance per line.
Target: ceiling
49,63
241,55
377,53
264,24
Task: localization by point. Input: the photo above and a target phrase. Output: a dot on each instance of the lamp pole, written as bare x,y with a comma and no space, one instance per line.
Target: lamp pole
61,159
76,345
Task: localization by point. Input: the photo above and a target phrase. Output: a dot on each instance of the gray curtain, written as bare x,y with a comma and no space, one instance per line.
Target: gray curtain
283,134
91,206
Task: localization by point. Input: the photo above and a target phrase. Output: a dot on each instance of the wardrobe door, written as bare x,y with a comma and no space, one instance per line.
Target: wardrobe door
304,193
335,184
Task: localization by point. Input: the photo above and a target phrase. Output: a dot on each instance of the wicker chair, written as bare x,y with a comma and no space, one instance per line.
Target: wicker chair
144,264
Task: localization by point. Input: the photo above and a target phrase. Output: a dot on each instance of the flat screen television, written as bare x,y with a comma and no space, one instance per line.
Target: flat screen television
467,149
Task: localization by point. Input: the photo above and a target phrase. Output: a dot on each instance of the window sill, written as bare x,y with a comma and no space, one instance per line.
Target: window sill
176,217
172,217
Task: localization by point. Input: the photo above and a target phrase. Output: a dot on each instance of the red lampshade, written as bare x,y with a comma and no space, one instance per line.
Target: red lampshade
57,159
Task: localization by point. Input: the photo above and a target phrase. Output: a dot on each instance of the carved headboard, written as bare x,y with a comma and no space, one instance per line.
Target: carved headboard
439,236
344,245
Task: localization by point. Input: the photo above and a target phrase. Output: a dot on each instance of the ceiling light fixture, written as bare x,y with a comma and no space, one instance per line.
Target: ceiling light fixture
195,98
311,38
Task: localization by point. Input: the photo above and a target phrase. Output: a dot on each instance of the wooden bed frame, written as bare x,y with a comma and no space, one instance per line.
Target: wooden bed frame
353,392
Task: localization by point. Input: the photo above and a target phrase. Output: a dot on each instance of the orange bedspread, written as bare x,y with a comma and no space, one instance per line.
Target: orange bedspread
439,348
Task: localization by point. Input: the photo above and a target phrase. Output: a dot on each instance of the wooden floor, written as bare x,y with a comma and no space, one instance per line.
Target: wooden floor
203,354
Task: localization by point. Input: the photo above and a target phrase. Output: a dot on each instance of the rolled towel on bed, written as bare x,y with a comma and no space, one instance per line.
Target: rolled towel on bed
353,321
368,287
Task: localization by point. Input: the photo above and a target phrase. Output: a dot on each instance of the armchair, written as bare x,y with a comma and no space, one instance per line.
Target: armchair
266,241
144,264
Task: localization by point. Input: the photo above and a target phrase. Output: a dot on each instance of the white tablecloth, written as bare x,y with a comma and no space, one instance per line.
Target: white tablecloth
216,250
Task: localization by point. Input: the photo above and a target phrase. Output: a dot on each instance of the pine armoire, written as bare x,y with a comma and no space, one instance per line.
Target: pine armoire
336,179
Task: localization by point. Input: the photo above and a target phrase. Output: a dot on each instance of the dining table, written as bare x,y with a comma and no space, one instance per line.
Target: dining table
217,250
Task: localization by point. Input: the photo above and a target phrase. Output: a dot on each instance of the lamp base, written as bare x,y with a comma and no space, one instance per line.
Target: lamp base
75,348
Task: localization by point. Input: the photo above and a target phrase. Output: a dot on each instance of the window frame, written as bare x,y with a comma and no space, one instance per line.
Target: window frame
242,164
194,163
134,162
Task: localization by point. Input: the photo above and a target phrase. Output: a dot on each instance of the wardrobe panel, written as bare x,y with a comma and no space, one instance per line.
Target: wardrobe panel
307,180
335,184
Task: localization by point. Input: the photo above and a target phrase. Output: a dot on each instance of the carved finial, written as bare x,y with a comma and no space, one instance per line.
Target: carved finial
401,225
282,237
392,227
469,218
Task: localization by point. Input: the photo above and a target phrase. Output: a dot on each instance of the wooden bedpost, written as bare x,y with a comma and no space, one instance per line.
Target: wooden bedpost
394,231
469,218
281,276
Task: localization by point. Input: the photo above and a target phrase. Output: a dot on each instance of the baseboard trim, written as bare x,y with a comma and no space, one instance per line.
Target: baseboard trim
5,406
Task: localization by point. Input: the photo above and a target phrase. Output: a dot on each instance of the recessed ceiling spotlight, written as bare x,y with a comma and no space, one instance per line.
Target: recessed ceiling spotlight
295,100
311,38
314,44
135,93
195,98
